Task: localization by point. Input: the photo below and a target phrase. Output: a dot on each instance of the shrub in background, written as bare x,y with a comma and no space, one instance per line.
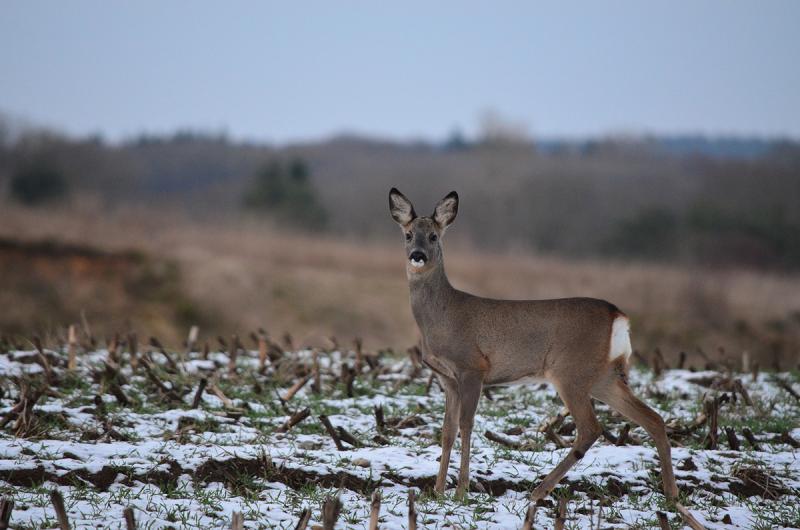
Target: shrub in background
284,191
38,183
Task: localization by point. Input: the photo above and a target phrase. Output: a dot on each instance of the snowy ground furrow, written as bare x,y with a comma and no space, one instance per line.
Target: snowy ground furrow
183,467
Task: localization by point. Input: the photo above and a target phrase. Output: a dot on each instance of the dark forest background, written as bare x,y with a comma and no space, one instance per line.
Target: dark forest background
685,199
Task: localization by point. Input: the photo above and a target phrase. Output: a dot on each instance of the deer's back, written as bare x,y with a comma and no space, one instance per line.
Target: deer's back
530,339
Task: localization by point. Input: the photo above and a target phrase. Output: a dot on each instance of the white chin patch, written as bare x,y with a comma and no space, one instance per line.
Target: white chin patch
417,263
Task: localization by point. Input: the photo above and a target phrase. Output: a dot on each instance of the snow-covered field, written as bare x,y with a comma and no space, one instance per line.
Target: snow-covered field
179,466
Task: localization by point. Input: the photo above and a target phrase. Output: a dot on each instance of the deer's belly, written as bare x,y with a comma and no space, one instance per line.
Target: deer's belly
523,380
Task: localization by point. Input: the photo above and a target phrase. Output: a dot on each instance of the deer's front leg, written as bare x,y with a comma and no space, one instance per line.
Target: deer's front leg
449,430
469,392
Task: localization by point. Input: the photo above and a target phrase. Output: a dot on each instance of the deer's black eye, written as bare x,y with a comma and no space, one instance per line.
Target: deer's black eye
408,236
433,238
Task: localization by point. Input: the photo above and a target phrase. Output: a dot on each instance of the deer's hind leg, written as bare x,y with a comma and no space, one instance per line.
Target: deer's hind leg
616,393
579,404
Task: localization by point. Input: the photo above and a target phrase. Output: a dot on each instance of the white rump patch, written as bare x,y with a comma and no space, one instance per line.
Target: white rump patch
620,338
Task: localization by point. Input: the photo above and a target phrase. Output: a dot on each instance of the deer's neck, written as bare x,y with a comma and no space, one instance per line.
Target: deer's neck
431,293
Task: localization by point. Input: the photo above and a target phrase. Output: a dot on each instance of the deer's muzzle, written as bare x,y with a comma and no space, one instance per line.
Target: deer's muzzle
417,258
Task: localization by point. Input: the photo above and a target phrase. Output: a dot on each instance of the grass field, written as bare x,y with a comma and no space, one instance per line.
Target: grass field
235,275
187,440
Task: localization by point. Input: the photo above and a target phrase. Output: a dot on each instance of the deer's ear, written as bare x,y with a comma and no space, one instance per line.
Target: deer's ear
401,208
446,210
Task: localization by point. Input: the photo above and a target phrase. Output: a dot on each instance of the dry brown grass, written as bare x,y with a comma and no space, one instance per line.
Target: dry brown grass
255,275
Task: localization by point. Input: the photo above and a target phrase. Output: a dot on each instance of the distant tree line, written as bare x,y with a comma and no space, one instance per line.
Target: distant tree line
611,197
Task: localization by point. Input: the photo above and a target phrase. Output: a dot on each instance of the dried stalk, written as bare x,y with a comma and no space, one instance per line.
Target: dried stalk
237,521
711,406
296,418
317,386
113,348
155,343
330,512
624,432
119,394
379,421
72,348
191,341
745,361
232,354
148,368
288,342
554,422
226,401
502,440
688,518
262,351
748,435
375,510
133,350
733,440
551,435
787,386
61,512
296,388
739,387
358,343
348,378
6,507
658,362
302,523
28,396
42,360
346,436
130,521
198,396
331,431
412,510
786,438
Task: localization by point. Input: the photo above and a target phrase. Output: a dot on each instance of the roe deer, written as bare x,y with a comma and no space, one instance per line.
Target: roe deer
580,345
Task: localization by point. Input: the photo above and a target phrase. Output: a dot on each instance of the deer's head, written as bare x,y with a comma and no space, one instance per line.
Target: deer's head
422,234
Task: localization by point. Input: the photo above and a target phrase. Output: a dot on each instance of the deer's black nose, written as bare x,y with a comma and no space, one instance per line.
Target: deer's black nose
418,256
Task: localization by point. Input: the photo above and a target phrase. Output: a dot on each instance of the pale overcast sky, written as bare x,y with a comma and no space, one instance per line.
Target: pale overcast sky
284,71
